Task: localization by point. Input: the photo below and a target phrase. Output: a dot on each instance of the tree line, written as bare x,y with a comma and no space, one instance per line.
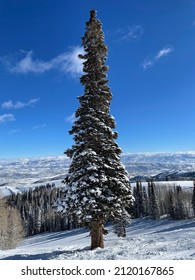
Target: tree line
158,200
36,211
31,212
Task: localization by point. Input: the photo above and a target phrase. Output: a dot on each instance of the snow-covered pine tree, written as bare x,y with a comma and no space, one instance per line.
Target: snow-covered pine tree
193,199
180,208
154,204
171,204
146,202
121,223
97,187
140,206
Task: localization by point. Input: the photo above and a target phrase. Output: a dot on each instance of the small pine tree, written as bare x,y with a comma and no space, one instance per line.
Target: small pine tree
154,205
121,224
97,187
135,205
146,202
140,200
193,199
180,209
171,205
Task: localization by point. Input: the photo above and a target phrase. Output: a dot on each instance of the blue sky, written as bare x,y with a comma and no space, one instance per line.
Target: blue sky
151,55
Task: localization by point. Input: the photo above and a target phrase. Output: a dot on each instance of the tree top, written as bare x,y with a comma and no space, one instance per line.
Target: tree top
93,13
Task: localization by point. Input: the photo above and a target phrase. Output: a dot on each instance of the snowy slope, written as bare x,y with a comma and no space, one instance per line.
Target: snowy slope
146,239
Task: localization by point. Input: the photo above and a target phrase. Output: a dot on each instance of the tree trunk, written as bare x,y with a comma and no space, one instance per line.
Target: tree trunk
97,239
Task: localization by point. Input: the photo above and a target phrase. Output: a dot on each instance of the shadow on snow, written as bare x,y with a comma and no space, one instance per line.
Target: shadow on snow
46,256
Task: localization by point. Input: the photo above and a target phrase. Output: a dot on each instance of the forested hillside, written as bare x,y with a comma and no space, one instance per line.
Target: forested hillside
32,211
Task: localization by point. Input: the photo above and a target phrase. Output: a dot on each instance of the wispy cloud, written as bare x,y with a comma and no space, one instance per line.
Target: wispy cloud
18,105
71,118
14,131
163,52
7,118
130,33
39,126
67,62
149,62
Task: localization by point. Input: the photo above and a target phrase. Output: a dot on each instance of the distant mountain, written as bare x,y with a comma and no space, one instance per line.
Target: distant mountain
33,170
160,166
140,166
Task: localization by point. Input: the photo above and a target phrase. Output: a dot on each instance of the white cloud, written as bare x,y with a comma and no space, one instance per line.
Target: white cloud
71,118
149,62
132,32
18,105
27,64
67,62
7,118
14,131
163,52
39,126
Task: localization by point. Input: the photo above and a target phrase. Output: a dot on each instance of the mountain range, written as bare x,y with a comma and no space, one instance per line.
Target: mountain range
140,166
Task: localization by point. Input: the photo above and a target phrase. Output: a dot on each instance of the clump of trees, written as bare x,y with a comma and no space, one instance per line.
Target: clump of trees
37,214
11,229
158,200
193,199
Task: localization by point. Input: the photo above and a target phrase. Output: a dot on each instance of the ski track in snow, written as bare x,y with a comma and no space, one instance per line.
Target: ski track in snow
146,239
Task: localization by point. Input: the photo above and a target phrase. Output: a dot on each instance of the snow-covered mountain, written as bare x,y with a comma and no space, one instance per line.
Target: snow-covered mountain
27,171
32,170
160,166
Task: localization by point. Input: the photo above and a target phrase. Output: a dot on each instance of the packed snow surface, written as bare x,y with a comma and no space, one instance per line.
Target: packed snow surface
146,239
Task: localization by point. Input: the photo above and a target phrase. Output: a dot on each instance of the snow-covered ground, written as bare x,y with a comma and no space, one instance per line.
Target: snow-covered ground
163,239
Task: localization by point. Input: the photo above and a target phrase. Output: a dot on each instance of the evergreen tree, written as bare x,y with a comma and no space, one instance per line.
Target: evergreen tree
139,201
193,199
171,204
121,223
97,187
146,202
180,209
154,204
